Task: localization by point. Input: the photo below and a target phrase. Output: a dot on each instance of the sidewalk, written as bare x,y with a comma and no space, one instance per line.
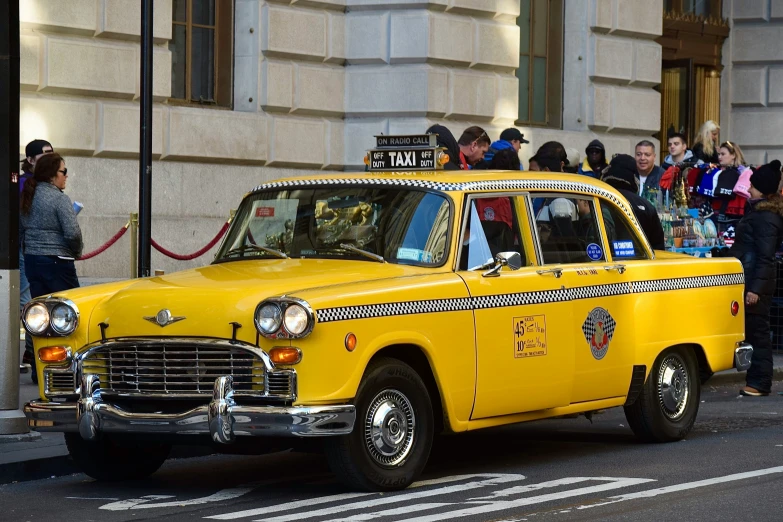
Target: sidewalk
43,455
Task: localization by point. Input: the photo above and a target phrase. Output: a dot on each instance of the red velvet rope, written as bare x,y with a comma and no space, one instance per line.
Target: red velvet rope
194,255
109,243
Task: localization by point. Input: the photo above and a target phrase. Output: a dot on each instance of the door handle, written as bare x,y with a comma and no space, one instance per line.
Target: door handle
557,272
620,268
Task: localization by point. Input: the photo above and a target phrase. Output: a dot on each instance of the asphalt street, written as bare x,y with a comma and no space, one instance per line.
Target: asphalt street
729,468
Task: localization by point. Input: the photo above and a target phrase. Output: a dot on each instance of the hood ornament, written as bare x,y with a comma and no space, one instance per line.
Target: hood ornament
164,318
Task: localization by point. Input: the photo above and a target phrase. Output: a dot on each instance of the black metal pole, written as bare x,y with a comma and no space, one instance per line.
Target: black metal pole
12,420
9,134
145,147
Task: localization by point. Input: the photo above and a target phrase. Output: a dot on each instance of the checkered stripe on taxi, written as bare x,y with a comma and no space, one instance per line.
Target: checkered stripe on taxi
328,315
683,283
401,182
344,313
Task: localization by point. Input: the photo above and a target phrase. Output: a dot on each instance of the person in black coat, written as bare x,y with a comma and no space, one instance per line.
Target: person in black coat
757,238
622,175
446,139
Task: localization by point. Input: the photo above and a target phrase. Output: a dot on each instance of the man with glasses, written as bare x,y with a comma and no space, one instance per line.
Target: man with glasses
473,144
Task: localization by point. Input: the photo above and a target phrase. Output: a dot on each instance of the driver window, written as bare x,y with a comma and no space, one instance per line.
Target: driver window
568,230
491,228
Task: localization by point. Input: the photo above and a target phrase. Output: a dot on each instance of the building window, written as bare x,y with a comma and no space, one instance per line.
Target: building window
703,8
540,70
201,51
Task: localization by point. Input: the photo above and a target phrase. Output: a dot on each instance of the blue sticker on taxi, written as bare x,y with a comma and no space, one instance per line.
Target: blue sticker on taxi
595,252
623,249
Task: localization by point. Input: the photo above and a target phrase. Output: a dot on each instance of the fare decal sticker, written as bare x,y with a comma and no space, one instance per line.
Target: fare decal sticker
265,212
529,336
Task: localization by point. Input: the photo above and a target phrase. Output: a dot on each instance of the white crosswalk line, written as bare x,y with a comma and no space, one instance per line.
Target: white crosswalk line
518,490
289,505
404,510
685,486
400,497
503,505
491,479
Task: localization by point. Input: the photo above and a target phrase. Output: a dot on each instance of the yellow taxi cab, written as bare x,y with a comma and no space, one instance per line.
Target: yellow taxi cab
372,311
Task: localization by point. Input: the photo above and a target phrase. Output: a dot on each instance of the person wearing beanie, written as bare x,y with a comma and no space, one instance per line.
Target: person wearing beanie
756,239
595,162
622,176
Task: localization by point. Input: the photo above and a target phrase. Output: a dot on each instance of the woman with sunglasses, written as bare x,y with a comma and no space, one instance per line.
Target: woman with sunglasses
52,237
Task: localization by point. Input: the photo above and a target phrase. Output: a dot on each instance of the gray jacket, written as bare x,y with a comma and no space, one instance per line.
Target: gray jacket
50,229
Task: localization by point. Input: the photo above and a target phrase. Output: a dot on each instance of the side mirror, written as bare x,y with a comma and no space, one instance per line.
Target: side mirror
513,260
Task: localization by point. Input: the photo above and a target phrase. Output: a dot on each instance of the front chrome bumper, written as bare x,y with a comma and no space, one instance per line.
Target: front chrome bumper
223,419
743,353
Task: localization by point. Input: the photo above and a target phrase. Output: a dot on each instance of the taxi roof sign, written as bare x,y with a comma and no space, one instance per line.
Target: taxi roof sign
406,153
415,140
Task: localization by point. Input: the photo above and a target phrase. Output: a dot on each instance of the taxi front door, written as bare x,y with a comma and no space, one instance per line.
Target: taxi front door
524,346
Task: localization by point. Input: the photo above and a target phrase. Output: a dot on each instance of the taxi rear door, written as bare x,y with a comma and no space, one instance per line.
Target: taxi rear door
584,243
525,348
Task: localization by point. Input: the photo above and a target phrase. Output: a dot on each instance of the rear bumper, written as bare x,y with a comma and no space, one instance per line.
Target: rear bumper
222,419
743,354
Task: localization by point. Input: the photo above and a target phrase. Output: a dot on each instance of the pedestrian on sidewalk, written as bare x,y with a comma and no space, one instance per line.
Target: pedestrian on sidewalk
510,140
705,146
33,152
757,237
52,237
595,162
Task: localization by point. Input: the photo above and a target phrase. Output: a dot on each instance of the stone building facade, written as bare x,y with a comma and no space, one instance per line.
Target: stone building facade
752,80
310,83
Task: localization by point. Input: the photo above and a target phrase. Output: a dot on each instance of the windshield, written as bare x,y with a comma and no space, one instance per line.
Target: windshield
402,226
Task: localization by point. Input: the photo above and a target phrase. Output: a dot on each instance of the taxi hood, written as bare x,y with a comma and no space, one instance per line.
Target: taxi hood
212,297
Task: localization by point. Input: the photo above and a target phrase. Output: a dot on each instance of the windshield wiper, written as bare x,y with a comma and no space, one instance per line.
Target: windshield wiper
255,248
370,255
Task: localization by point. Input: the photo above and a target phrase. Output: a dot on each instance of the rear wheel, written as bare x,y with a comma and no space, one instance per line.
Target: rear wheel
667,405
108,459
392,438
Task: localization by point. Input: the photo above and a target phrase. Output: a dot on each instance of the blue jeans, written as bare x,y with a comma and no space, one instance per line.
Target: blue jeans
24,298
49,274
24,285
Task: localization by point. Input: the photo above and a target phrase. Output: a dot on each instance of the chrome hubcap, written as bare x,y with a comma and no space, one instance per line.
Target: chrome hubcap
389,428
673,386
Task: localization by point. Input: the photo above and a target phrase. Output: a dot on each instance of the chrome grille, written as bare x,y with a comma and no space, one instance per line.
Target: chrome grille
281,383
179,369
59,382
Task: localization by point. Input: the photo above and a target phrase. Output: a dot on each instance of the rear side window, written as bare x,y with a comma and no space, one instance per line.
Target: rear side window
623,241
568,230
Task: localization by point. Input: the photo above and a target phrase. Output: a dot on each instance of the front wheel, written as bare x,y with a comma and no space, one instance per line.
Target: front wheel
392,438
108,459
667,405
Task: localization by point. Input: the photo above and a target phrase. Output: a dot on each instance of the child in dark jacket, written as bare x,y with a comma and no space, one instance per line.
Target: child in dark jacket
757,237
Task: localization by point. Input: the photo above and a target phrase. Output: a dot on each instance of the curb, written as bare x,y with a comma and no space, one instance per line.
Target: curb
59,466
735,377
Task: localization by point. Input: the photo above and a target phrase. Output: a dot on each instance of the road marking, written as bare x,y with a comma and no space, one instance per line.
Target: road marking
404,510
145,502
492,479
289,505
403,497
685,486
502,505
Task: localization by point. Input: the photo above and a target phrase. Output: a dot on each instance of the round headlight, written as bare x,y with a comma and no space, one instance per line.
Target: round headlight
269,318
296,319
64,319
37,319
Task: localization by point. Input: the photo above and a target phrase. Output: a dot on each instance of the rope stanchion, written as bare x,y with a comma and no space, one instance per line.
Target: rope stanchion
109,243
196,254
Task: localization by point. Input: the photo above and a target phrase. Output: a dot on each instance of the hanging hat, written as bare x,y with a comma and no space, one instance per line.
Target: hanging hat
766,179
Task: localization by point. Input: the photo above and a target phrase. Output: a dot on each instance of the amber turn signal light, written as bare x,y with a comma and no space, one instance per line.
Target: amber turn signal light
285,355
366,159
443,158
734,308
52,354
350,342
